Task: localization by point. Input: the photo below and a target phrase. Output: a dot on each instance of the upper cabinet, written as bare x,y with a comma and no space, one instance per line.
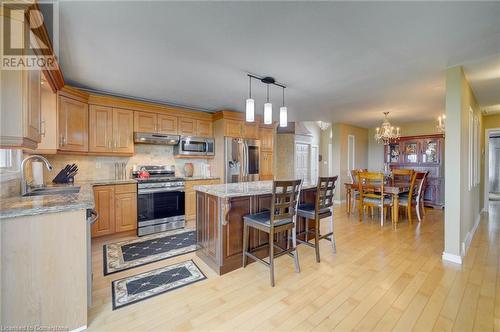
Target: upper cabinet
73,116
250,130
187,127
233,128
204,128
20,115
110,130
266,139
48,132
167,124
145,122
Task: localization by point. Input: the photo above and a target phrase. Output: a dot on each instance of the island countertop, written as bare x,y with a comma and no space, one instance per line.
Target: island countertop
241,189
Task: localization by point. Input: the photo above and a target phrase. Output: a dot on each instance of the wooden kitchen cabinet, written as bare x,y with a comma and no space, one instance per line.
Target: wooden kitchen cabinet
100,128
204,128
187,127
73,116
145,122
48,108
190,196
266,136
20,114
233,128
125,212
250,131
123,131
116,206
167,124
104,199
110,130
266,165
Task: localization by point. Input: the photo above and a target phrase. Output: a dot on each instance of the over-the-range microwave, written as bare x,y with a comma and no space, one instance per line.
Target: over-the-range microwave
195,146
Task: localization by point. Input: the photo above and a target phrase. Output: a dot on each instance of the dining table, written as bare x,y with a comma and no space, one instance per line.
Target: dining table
393,189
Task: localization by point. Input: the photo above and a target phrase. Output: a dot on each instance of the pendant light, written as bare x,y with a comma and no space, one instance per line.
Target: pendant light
283,112
250,107
268,110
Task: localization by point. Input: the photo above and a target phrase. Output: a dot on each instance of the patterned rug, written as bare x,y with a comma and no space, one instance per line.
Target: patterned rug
124,255
148,284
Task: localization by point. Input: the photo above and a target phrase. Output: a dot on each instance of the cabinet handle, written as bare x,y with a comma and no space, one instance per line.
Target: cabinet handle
62,140
42,127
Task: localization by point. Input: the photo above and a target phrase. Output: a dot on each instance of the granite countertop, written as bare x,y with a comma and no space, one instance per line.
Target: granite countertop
241,189
195,178
19,206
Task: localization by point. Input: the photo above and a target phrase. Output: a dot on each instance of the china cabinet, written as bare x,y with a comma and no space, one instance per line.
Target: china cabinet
421,153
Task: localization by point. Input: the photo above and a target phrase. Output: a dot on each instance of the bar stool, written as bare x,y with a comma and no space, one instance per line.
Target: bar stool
322,208
282,217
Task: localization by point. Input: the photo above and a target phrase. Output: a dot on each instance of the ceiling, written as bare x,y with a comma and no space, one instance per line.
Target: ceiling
341,61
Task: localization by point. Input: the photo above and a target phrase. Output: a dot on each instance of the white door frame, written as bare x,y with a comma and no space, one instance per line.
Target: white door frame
486,177
311,161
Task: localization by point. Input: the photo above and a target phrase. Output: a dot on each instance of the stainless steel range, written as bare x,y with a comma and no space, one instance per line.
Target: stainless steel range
160,199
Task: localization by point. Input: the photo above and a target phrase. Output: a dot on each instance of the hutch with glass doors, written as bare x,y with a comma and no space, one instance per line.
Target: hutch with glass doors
421,153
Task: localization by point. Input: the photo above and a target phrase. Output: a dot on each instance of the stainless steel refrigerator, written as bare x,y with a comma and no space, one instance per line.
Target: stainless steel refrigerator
241,160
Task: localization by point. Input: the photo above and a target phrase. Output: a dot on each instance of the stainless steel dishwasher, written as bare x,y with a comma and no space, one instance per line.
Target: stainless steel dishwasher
91,218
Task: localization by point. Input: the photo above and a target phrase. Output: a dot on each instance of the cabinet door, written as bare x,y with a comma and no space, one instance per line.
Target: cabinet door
123,135
431,150
167,124
411,151
73,117
104,198
190,204
204,128
34,111
232,128
125,212
266,168
266,138
145,122
100,128
187,127
48,143
392,152
250,130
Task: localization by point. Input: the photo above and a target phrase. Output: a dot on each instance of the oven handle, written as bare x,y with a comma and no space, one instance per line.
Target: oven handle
159,190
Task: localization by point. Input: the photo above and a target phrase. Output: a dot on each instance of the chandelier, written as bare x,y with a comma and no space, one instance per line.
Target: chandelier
441,126
323,125
268,106
386,133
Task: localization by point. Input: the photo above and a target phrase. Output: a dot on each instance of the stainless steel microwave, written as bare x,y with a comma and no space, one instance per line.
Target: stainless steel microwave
195,146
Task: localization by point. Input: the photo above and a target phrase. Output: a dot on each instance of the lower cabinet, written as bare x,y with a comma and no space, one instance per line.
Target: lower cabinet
190,196
116,206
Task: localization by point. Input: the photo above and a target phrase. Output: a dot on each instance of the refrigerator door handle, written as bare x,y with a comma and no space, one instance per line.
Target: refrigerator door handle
246,160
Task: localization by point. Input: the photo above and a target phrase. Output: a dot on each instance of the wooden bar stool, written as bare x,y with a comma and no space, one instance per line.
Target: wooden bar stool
322,208
281,218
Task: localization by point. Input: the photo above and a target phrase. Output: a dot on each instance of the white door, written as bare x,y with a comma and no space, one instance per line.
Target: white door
314,162
302,161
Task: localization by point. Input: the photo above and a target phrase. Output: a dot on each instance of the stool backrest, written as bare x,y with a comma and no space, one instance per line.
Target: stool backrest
325,192
285,199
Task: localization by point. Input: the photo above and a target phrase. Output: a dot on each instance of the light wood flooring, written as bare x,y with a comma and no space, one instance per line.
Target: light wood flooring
380,279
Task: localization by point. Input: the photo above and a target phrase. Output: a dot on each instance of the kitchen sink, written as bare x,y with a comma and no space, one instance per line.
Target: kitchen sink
54,190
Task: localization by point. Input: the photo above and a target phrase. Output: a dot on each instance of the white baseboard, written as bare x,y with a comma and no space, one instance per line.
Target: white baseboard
470,235
79,329
452,258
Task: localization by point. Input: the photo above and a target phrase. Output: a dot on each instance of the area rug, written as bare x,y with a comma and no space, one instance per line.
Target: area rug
148,284
124,255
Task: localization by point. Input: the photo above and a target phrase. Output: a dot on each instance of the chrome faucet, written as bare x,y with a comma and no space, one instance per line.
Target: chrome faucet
24,184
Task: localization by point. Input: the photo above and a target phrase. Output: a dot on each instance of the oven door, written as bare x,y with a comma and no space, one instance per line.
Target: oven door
159,207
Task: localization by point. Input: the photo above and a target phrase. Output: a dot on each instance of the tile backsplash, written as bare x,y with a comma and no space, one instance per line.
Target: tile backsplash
102,168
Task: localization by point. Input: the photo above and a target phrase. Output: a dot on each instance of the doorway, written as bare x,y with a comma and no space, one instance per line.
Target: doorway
302,161
492,166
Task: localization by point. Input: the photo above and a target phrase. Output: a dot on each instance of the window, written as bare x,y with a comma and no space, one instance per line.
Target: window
9,163
351,147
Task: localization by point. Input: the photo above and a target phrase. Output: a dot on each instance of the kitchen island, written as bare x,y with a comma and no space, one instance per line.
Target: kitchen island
219,220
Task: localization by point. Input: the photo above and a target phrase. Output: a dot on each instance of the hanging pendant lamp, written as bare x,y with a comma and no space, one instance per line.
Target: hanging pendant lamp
250,104
268,110
283,112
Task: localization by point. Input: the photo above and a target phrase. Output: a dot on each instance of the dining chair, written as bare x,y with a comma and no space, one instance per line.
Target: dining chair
406,200
371,194
322,208
281,218
401,175
353,175
420,184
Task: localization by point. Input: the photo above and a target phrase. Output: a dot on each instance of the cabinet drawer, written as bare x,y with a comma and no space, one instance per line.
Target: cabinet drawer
125,188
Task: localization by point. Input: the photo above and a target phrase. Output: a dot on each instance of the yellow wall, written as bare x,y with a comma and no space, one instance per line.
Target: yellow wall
340,133
462,205
491,121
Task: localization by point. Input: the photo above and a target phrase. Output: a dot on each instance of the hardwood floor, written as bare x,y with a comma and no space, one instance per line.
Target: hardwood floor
380,279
